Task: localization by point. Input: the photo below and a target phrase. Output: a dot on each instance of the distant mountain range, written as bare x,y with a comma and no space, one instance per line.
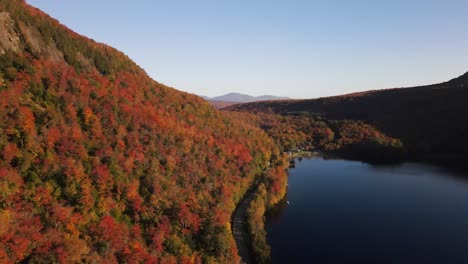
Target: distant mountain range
243,98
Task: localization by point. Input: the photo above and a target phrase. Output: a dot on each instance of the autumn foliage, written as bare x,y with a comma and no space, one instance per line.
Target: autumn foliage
431,121
101,164
268,194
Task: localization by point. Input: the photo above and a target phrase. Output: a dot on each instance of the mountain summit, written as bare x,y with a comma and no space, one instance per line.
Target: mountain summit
243,98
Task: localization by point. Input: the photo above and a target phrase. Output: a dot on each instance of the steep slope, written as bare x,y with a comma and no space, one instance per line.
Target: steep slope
99,163
432,120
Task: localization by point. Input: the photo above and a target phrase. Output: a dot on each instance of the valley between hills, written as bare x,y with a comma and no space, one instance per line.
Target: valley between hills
99,163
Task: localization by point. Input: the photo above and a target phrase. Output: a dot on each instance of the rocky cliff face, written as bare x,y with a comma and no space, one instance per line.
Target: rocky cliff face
11,35
9,39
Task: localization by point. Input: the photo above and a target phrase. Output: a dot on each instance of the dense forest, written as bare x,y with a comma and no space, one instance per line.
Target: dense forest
348,138
431,121
99,163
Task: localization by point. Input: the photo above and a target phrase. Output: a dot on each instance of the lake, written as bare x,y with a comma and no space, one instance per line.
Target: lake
343,211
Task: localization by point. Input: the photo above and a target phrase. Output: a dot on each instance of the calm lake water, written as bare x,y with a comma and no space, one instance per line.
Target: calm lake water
343,211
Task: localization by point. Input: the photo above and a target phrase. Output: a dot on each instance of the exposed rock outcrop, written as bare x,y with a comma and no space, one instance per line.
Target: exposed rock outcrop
9,39
38,44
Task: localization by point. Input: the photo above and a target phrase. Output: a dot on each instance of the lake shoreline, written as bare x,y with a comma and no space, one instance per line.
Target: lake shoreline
247,225
322,192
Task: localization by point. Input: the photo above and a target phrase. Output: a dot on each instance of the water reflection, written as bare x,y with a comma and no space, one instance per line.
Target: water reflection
350,212
275,214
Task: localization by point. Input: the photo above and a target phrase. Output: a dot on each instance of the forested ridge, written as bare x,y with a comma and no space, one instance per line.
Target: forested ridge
99,163
431,121
307,132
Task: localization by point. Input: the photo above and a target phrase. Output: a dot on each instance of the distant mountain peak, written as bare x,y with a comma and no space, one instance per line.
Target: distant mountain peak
243,98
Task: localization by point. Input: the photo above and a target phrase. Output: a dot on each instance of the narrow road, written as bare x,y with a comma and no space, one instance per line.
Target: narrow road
240,230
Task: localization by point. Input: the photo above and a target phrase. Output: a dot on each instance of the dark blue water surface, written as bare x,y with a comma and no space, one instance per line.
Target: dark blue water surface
343,211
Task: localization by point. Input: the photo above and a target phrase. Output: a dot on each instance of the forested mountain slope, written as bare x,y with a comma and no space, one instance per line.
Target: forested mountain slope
431,120
101,164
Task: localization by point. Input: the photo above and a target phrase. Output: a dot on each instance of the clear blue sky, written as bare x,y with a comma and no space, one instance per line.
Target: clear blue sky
300,49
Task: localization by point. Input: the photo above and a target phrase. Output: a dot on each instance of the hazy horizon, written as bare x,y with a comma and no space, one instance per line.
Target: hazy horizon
295,49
